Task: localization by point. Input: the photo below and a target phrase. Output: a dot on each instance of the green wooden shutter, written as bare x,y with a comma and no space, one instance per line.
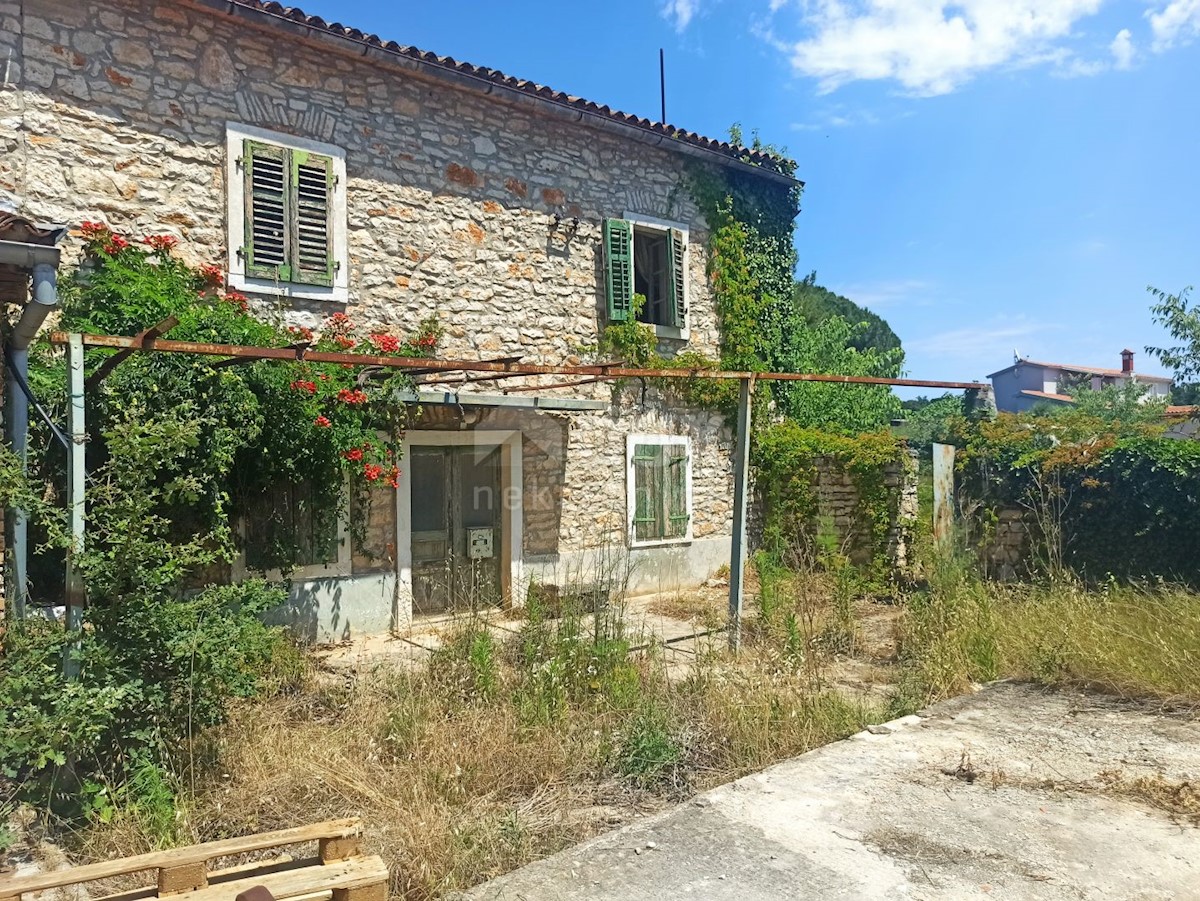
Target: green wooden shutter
675,463
268,211
648,492
618,252
675,251
312,227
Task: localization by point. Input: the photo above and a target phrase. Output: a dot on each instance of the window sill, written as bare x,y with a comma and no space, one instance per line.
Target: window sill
659,542
338,570
331,294
672,333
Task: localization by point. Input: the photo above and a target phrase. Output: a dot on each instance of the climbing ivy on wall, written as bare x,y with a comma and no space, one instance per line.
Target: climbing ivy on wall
787,457
1099,497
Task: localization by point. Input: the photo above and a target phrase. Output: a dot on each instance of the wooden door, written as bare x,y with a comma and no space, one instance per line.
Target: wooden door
456,505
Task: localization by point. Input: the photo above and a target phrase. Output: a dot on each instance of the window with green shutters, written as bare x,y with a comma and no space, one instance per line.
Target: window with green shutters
288,205
660,508
649,260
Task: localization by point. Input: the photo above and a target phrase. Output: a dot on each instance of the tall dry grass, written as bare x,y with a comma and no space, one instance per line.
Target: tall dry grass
499,750
1129,640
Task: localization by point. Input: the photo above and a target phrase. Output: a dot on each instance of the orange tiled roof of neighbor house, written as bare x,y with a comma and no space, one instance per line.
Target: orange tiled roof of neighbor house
1084,370
1046,395
279,15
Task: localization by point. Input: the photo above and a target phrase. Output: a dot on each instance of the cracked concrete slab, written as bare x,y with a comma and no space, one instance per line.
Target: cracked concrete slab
1011,793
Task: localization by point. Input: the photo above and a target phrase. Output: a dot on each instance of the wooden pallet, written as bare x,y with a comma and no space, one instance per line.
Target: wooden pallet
339,872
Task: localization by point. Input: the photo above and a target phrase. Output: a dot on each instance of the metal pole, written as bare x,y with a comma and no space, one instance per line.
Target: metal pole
662,85
741,470
18,437
76,474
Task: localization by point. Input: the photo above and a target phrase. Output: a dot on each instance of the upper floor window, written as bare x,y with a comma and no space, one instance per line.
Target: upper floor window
287,215
647,257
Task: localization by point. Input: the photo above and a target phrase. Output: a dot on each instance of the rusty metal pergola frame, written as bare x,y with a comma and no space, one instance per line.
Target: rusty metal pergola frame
468,372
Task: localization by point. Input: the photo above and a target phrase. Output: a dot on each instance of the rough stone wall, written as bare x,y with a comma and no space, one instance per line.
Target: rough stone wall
116,111
11,142
837,505
376,511
450,195
1005,552
574,469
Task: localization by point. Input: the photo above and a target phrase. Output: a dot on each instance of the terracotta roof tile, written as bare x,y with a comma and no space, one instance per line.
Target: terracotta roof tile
1084,370
1046,395
767,161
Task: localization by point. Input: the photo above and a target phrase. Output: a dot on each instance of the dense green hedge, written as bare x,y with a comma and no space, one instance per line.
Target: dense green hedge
1124,499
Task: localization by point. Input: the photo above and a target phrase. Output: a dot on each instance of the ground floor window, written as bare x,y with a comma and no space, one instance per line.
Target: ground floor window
286,522
659,487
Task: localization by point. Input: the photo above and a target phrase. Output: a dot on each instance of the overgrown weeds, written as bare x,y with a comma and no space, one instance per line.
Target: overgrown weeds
502,749
1130,640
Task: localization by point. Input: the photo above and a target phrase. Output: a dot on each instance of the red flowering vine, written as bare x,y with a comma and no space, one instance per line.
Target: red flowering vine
160,243
388,344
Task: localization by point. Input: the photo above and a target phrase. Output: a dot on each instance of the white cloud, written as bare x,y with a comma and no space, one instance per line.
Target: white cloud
989,344
931,46
1178,21
874,295
823,120
1122,49
680,12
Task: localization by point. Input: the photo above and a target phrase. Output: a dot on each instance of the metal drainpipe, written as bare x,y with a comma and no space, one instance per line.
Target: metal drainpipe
44,299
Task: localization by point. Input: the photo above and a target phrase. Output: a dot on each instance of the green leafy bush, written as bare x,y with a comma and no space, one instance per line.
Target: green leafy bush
786,457
1103,496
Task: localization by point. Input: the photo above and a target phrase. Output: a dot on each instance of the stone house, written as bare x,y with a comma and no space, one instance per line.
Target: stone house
330,170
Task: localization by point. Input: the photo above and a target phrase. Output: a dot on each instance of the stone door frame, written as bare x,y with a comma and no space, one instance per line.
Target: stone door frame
512,518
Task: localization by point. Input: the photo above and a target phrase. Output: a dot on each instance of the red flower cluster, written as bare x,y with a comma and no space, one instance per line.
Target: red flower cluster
323,422
161,243
338,324
427,342
301,385
241,301
357,396
344,342
101,237
212,276
388,344
114,245
303,333
354,454
373,472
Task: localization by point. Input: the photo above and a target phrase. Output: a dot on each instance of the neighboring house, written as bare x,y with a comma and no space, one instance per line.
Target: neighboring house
410,185
1029,382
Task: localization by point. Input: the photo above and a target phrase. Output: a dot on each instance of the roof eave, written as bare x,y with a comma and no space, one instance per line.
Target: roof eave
269,21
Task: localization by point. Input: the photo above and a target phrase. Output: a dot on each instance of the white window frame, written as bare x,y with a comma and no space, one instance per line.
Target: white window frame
664,226
235,137
631,441
340,568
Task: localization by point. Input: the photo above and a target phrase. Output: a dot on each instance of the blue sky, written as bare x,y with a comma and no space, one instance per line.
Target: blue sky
986,174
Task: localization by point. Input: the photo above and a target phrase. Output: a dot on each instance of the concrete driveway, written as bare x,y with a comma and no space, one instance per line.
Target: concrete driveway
1009,793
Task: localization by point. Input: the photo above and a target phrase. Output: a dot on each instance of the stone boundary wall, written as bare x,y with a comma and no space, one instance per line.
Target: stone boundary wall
838,508
1004,552
838,505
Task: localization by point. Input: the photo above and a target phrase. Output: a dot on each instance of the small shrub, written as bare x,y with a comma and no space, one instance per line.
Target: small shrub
648,752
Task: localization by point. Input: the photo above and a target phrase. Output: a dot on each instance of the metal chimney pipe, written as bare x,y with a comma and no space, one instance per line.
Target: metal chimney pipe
43,261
